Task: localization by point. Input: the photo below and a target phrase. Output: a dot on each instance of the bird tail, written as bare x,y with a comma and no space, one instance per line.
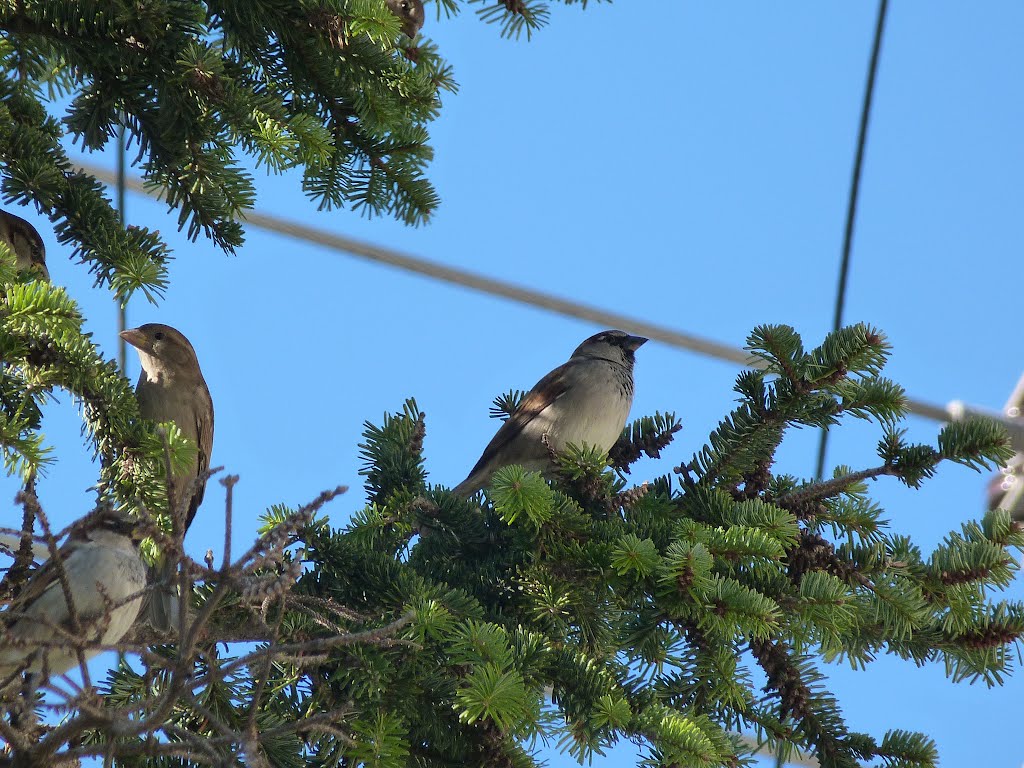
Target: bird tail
470,485
164,606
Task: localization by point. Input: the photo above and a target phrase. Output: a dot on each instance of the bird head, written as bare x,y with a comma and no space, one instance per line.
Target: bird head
411,14
611,345
163,350
121,522
25,241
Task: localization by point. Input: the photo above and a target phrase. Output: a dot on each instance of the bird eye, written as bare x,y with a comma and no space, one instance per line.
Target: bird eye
159,335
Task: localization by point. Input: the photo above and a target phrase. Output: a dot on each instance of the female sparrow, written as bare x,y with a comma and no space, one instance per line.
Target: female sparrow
171,388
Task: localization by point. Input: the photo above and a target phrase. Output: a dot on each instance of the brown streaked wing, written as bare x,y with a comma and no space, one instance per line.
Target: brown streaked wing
46,577
204,428
544,393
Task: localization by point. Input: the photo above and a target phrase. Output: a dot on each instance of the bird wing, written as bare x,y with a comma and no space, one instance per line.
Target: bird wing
45,578
544,393
204,447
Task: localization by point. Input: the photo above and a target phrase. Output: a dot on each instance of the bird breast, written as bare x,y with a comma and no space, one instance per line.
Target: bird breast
176,402
573,418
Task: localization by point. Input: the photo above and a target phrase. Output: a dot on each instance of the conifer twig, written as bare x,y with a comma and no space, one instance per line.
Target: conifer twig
818,491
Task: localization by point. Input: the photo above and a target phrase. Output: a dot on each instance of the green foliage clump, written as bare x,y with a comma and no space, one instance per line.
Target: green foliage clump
199,87
584,612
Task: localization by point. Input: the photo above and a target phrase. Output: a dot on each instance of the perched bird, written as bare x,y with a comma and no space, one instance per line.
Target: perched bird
585,401
26,243
411,14
171,388
105,573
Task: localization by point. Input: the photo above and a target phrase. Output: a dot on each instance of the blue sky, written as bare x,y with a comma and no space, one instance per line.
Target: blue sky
683,163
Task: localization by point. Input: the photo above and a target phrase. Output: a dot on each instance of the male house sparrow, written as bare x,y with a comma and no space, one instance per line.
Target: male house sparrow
103,572
584,401
411,14
26,243
171,388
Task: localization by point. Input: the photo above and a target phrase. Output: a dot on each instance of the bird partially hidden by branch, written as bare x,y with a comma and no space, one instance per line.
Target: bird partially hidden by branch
25,241
411,14
89,594
244,601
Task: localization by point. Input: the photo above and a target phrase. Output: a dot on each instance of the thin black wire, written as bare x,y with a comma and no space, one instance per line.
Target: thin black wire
851,217
122,313
851,210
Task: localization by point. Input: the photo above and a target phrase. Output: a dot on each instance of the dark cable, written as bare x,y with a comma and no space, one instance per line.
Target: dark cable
851,209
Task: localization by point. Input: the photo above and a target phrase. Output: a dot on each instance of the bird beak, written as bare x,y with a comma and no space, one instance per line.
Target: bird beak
633,343
135,337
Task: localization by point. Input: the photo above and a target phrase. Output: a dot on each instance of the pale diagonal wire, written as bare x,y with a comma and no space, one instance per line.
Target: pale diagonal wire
517,293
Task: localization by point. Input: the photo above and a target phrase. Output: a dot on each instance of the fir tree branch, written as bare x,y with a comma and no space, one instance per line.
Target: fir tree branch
824,729
637,606
799,499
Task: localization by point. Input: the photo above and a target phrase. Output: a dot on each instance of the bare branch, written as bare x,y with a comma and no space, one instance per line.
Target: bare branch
23,557
829,488
259,583
229,483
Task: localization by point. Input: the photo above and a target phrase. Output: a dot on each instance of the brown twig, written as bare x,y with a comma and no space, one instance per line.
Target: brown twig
229,484
18,572
148,726
829,488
